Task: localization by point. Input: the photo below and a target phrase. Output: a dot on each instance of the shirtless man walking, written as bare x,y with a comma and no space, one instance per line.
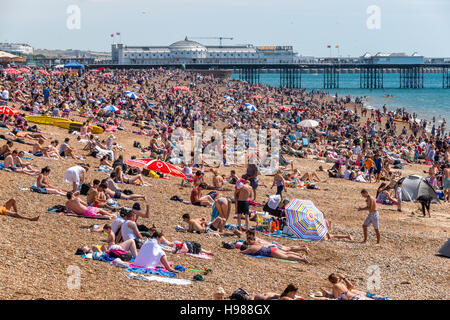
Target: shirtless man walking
373,217
243,195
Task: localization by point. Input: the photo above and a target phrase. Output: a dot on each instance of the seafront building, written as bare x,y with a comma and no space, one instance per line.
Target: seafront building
16,48
191,52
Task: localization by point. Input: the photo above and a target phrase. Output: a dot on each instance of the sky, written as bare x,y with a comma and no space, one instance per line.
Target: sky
356,26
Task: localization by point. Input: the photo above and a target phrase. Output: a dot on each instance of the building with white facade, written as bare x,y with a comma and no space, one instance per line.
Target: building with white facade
392,58
192,52
16,48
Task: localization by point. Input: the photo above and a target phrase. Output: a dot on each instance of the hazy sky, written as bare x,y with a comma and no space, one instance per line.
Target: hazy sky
308,25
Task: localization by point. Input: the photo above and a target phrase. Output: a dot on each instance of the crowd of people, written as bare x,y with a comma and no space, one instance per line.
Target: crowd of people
362,147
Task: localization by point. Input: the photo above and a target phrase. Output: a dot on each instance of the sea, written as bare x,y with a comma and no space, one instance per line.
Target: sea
431,101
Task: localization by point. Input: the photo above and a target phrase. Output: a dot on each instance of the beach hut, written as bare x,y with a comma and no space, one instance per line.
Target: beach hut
74,65
415,186
305,221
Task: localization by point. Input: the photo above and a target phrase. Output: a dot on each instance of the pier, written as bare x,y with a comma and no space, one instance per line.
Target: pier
411,76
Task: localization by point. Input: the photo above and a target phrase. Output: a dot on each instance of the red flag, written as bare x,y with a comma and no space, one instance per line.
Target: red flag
118,33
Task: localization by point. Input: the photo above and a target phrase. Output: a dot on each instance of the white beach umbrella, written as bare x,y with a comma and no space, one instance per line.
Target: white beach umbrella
308,123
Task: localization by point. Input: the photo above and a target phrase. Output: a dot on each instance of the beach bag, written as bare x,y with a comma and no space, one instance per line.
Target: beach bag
194,247
85,189
139,243
143,228
228,245
59,208
240,294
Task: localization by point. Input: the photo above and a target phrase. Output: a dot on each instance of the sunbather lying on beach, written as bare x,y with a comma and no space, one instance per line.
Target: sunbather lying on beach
201,225
251,234
254,249
129,246
79,207
120,195
288,294
343,289
5,210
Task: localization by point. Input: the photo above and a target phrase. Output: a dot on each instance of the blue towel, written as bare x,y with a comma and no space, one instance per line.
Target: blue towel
282,235
215,213
156,272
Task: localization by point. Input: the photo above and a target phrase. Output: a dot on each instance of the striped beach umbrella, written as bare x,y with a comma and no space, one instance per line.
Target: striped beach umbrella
157,166
229,98
305,220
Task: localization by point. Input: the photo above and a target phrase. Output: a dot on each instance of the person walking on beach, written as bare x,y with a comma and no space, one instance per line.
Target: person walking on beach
373,217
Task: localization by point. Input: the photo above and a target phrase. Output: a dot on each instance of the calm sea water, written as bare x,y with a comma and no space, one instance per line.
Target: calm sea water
431,101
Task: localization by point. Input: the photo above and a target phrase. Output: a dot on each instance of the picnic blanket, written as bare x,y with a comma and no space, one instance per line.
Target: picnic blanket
141,277
154,271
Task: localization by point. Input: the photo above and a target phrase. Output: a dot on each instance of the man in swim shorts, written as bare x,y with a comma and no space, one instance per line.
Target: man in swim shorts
81,208
372,218
243,196
5,210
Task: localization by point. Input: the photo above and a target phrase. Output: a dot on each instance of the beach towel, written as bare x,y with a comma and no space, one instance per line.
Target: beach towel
214,213
141,277
282,235
154,271
70,214
253,203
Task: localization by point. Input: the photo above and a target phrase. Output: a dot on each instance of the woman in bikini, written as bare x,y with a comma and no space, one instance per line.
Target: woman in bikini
345,290
44,183
120,177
